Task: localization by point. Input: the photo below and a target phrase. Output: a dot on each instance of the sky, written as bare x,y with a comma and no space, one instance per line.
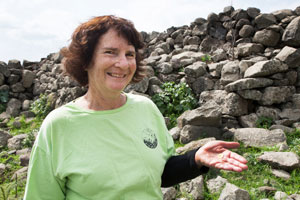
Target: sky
32,29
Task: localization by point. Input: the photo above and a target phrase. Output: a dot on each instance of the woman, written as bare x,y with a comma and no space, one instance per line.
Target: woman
108,144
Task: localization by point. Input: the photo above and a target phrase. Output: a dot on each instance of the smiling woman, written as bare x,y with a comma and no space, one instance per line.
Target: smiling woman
109,144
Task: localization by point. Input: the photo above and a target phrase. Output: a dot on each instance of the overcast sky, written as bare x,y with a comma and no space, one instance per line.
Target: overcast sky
32,29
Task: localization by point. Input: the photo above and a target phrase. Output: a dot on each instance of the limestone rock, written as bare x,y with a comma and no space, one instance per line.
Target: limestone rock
271,95
196,69
265,68
16,141
190,133
291,35
169,193
27,78
267,37
281,196
4,136
281,174
290,56
230,72
230,103
259,137
195,187
232,192
13,107
281,160
248,83
247,49
207,115
194,145
216,184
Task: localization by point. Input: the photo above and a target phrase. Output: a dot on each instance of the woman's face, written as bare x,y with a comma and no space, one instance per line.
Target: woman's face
113,64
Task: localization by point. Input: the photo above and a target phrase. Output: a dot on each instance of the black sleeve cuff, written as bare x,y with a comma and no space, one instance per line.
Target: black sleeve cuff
181,168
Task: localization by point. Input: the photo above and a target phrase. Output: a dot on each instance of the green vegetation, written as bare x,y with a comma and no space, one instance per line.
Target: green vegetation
206,58
42,106
174,100
264,122
259,174
12,187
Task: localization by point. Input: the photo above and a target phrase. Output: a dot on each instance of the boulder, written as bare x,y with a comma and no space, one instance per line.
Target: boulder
281,160
202,84
196,69
290,56
291,35
246,31
281,174
207,115
169,193
140,87
232,192
259,137
266,37
248,83
230,103
27,78
215,185
194,145
271,95
13,107
255,95
4,136
190,133
230,72
247,49
264,20
194,187
281,196
16,141
265,68
248,121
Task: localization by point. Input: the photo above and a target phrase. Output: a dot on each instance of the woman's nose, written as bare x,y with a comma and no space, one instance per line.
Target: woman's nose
122,61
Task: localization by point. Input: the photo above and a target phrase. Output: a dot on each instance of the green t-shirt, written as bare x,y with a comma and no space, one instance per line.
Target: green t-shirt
116,154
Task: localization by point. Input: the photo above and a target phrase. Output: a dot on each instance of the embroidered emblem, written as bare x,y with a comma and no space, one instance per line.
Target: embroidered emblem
149,138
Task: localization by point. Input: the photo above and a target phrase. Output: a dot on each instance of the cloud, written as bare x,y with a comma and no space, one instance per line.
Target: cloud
35,28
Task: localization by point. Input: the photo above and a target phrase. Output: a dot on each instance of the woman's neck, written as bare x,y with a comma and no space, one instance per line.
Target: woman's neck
96,101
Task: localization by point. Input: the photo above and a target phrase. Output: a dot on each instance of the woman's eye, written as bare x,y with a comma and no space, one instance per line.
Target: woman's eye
132,55
109,52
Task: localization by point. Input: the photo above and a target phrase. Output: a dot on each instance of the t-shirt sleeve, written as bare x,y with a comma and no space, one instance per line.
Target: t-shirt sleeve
42,184
181,168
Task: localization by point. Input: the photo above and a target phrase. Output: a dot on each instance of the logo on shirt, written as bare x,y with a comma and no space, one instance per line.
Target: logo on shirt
149,138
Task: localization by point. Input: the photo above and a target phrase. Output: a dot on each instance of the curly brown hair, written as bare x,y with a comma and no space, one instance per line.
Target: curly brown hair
78,55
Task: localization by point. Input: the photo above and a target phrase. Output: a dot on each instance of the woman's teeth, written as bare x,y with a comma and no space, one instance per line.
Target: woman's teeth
116,75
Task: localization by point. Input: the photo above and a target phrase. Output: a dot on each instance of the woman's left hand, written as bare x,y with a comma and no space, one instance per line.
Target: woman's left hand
215,154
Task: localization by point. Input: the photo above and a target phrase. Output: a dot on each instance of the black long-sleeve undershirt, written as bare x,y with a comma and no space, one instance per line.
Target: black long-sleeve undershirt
181,168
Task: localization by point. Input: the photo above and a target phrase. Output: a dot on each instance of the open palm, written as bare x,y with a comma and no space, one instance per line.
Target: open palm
216,154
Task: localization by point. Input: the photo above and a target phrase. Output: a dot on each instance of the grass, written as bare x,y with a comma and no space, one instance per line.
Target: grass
259,174
14,189
256,176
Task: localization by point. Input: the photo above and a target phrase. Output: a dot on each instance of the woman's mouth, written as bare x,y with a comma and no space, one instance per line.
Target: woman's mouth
115,75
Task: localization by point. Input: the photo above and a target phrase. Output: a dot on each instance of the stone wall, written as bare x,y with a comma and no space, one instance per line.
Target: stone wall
253,67
241,64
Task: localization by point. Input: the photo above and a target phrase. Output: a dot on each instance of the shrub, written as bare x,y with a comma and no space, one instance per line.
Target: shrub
42,106
264,122
174,100
206,58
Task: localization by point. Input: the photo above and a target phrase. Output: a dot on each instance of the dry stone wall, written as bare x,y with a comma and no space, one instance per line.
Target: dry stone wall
241,64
